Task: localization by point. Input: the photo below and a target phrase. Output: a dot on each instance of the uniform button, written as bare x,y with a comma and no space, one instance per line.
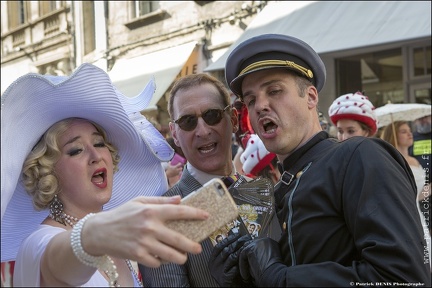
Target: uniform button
284,226
299,174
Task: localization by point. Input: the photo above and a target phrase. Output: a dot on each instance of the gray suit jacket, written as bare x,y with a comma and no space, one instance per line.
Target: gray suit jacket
195,272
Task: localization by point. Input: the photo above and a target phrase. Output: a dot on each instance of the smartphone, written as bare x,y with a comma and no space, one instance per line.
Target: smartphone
214,198
178,159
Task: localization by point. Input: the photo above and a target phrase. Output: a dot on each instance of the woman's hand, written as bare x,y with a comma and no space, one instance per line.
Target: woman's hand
136,230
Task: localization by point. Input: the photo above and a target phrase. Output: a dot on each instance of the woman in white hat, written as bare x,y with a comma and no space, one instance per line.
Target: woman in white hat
353,115
71,148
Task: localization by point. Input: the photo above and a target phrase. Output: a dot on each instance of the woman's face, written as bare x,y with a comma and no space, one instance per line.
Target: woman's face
404,136
84,169
348,128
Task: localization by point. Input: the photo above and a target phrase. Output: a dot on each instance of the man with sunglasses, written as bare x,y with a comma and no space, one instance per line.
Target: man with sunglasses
203,122
347,209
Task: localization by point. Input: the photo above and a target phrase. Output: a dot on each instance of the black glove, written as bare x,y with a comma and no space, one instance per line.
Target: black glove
256,257
223,263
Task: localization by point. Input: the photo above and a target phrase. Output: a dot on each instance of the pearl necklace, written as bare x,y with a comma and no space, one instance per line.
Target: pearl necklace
66,218
69,219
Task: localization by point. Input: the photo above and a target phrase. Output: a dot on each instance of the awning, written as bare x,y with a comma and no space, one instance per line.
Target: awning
330,26
131,75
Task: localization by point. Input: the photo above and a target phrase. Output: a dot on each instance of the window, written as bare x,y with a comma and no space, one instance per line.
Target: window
379,75
89,30
46,7
144,13
141,8
421,61
421,93
17,13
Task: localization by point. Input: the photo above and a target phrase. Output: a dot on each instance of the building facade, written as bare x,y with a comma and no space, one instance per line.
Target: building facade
131,40
385,53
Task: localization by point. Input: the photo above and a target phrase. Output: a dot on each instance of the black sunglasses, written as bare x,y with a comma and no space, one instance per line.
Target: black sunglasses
210,116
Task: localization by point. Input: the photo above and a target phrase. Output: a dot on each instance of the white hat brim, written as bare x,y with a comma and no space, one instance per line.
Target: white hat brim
35,102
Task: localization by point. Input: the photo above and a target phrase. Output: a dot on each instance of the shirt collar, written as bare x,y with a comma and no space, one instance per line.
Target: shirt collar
203,177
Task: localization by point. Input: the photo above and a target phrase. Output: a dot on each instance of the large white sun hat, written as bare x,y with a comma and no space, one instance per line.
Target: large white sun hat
34,102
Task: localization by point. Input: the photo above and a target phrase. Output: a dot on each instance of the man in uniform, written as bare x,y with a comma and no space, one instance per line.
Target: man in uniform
347,209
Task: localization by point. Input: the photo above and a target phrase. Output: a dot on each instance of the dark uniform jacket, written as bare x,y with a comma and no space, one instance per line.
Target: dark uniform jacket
348,216
195,272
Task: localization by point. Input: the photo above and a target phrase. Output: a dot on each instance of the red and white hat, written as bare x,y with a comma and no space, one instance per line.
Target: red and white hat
355,107
255,157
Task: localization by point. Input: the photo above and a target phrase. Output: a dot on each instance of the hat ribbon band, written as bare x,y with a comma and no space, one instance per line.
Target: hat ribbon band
282,63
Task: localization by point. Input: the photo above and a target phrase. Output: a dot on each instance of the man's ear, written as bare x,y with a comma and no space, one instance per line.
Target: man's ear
312,95
234,119
173,133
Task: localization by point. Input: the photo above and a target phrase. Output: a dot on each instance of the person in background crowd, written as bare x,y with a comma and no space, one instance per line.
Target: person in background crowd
324,122
421,150
326,126
243,133
346,208
353,115
234,146
60,167
202,125
399,135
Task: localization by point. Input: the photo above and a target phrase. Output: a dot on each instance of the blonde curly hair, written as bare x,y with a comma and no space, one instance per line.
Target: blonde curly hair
38,173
